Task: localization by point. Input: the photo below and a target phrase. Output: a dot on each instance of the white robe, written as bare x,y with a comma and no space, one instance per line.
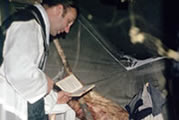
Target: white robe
21,80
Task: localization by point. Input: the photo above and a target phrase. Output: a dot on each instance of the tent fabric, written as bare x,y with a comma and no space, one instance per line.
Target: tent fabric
92,63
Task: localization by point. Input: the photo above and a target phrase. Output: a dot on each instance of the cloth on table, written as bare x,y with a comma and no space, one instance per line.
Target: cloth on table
147,104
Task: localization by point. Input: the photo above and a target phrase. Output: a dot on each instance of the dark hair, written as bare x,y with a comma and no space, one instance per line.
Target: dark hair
65,3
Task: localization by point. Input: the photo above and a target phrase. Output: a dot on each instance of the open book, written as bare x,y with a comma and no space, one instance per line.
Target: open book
72,85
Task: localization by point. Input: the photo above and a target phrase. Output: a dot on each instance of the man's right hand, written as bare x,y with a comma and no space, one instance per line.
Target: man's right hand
63,97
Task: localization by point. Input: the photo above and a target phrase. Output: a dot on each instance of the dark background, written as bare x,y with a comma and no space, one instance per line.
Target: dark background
111,18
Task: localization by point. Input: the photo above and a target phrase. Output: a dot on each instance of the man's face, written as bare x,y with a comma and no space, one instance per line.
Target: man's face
63,21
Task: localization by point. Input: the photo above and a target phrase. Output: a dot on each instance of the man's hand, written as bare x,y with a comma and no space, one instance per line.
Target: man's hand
63,97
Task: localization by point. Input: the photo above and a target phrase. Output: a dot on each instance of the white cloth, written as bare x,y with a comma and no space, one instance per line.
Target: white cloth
20,78
62,111
151,117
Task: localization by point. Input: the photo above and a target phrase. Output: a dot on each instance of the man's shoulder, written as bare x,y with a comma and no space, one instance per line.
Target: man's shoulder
25,14
21,15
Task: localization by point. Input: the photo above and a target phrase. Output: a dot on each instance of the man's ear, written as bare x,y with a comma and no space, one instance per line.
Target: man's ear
59,10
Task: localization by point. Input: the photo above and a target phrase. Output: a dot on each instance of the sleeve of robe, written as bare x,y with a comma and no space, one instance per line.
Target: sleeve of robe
23,49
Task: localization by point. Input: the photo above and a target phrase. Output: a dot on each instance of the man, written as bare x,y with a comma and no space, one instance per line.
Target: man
25,37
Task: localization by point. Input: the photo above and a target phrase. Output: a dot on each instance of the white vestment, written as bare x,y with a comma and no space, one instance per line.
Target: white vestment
21,80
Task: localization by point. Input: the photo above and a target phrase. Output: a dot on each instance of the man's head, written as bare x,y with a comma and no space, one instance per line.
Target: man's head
61,13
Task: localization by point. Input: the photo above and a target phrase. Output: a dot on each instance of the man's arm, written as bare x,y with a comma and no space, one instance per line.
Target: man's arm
23,49
50,83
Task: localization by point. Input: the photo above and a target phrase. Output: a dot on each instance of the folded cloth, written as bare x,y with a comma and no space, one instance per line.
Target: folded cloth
62,111
147,103
151,117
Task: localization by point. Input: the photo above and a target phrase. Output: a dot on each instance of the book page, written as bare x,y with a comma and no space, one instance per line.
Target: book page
83,90
69,84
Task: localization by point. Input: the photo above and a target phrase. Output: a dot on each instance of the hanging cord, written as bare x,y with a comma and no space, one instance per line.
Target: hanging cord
131,13
78,47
